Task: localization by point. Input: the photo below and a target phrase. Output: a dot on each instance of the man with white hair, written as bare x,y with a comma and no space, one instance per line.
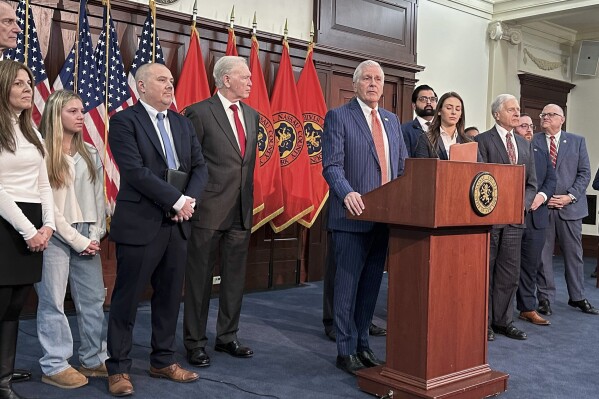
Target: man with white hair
501,145
567,207
227,129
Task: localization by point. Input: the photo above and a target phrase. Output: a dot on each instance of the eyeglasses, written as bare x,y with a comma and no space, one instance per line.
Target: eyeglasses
526,126
424,99
549,115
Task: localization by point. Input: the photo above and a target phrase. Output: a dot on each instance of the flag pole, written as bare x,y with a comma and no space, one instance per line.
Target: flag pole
26,33
254,25
76,70
232,19
195,15
153,10
106,3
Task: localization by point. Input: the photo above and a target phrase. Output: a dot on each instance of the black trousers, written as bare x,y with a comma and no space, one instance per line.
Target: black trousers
161,263
328,287
12,300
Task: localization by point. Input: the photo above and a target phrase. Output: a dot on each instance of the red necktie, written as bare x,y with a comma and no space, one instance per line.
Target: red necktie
511,151
552,150
239,127
379,145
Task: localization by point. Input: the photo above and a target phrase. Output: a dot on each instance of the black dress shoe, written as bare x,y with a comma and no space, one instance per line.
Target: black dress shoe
544,307
490,334
19,375
376,331
368,358
235,349
584,305
198,357
332,334
510,331
350,364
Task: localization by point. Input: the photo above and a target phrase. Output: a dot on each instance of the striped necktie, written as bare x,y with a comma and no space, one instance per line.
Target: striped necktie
552,150
511,151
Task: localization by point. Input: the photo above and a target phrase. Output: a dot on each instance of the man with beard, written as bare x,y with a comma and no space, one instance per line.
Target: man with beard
424,102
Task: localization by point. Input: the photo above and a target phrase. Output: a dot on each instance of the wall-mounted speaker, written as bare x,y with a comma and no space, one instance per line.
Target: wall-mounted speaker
588,58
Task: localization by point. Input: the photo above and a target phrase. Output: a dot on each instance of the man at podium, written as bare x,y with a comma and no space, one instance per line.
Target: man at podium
363,148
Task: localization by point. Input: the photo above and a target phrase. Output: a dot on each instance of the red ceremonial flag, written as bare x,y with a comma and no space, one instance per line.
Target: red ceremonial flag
289,130
193,82
267,173
314,109
231,43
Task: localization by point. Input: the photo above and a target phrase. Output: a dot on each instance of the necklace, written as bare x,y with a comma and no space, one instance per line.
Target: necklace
67,151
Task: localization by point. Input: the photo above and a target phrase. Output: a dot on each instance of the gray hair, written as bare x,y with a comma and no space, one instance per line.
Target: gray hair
499,101
142,72
364,64
224,66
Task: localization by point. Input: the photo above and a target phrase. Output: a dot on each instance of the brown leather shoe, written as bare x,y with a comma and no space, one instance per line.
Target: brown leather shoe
174,372
534,318
120,385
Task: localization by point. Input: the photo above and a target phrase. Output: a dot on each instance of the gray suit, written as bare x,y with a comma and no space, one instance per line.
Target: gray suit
223,218
506,240
573,172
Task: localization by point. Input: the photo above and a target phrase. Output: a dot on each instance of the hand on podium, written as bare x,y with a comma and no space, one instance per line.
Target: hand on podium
353,203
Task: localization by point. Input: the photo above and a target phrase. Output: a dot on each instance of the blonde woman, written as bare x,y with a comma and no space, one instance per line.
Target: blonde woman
26,209
76,176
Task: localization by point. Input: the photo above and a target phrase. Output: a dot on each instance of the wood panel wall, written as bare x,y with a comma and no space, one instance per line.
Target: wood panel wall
296,254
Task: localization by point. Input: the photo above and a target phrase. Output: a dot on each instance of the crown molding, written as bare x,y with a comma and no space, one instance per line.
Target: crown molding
506,10
479,8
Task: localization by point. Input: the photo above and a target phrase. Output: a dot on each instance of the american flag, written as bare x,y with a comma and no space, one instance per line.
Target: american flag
145,52
28,43
115,97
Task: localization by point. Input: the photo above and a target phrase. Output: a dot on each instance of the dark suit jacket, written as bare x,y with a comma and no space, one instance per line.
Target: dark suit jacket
547,180
424,149
573,171
228,173
411,133
493,150
350,162
144,197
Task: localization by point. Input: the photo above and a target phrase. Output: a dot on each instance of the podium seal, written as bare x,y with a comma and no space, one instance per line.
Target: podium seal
483,193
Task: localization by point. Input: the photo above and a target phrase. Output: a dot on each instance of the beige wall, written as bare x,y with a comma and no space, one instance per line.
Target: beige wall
270,14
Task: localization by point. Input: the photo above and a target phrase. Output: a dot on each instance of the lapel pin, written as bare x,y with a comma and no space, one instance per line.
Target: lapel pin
386,120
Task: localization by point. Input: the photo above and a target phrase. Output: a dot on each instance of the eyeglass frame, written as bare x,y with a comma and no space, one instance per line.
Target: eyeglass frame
526,126
425,99
551,115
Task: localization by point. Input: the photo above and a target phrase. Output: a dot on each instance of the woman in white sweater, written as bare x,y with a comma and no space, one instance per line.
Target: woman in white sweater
76,176
26,209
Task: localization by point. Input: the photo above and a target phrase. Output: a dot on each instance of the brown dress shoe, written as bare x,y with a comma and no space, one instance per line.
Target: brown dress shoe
534,318
120,385
174,372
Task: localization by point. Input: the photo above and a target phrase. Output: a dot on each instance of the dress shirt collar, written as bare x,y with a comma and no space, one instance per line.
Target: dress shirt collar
557,137
424,124
449,136
226,103
367,109
153,112
503,132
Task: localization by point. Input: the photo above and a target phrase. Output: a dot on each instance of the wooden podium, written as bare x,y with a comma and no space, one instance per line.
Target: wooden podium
438,279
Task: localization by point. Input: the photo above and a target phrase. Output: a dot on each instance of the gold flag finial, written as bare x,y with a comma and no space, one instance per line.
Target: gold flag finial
232,19
312,32
254,24
195,14
285,31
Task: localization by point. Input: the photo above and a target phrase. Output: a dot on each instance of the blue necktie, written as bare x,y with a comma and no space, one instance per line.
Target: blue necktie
168,148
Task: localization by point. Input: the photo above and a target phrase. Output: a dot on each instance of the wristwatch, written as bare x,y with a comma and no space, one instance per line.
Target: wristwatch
573,198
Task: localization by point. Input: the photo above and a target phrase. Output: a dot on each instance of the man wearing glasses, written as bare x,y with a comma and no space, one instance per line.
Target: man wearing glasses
533,237
567,207
424,102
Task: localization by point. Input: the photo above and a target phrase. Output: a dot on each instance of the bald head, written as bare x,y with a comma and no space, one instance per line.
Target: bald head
155,85
552,119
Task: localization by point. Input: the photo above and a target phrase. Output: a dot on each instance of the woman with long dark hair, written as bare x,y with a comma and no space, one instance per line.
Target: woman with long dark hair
26,209
76,177
446,129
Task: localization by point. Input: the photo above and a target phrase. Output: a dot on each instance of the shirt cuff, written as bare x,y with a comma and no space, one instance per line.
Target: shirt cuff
542,194
179,204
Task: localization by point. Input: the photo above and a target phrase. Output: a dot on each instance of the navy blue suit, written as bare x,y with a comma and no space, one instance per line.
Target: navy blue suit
411,133
150,247
351,164
533,238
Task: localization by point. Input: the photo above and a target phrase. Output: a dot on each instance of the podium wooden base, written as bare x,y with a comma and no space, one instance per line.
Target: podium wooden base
478,387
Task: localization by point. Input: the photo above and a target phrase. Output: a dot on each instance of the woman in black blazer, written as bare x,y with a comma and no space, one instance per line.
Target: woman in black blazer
447,128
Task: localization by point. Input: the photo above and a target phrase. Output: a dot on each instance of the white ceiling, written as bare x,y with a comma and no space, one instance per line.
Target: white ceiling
581,20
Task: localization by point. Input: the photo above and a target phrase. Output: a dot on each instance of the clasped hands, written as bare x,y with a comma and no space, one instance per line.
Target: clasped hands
39,241
559,201
186,211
